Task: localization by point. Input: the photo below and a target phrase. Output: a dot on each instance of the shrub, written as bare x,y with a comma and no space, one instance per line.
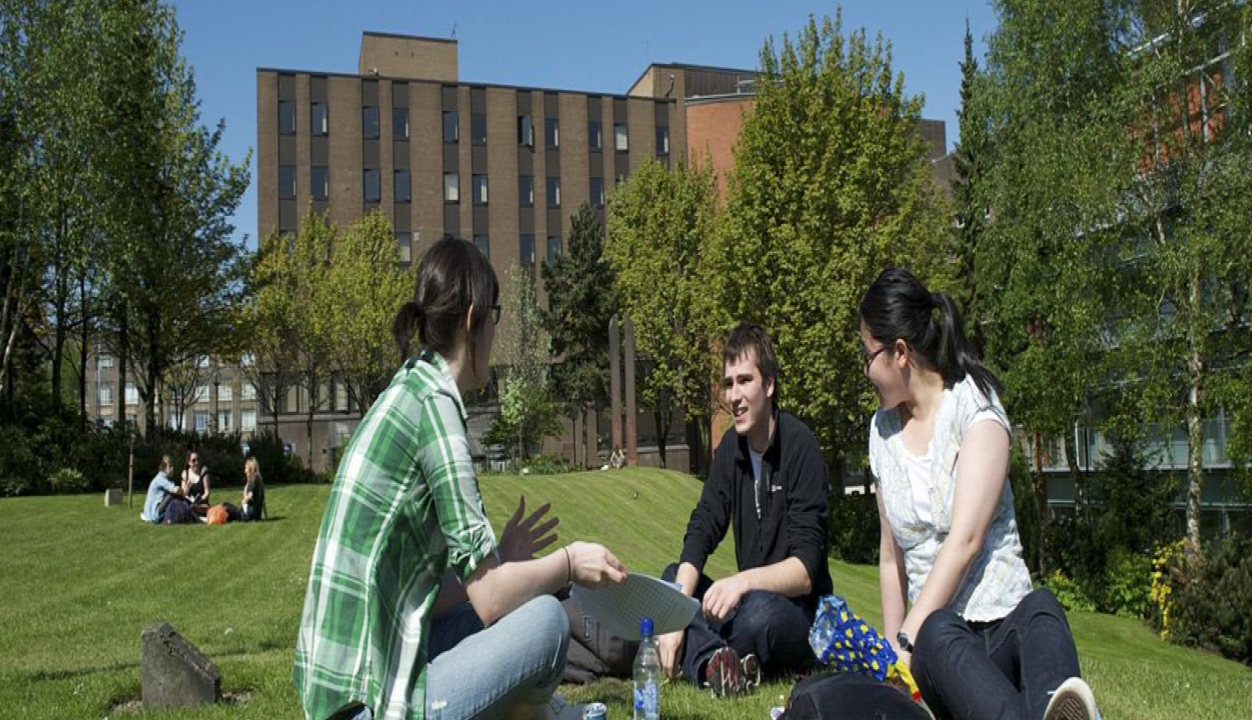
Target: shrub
1211,600
277,467
1128,585
18,463
1069,593
549,465
854,528
1165,565
68,480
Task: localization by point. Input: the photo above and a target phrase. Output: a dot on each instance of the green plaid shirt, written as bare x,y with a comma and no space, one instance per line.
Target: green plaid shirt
405,505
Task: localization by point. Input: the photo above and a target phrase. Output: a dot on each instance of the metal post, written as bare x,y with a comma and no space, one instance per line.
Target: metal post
615,383
632,430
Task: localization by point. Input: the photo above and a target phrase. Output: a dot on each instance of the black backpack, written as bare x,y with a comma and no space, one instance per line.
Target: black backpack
594,652
849,696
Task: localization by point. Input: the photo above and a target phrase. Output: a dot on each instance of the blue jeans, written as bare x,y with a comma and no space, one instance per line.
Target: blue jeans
1000,670
773,627
476,672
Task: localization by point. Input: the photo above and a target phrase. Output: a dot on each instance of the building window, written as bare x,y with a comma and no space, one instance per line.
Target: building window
319,119
622,177
203,362
174,421
132,394
286,181
202,422
597,192
225,393
451,187
526,190
373,186
247,391
527,248
320,183
480,189
554,248
400,123
247,420
554,192
223,422
202,394
106,361
595,136
478,129
621,141
247,360
483,244
286,117
402,186
105,396
525,131
552,133
404,245
369,122
451,133
662,141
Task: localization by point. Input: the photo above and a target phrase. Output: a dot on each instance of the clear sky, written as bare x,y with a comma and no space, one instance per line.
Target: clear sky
601,46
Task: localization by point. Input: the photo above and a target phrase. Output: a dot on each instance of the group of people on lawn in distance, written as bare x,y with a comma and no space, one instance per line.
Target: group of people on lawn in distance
415,608
188,501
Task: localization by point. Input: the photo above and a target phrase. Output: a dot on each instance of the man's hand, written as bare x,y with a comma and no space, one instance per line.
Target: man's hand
521,539
592,565
723,597
671,646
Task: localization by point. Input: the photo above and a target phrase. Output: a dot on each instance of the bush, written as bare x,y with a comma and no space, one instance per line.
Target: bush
1128,585
18,463
1025,507
549,465
854,528
1211,600
277,467
68,480
1069,593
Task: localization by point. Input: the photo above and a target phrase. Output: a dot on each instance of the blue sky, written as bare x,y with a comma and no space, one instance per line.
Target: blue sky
600,46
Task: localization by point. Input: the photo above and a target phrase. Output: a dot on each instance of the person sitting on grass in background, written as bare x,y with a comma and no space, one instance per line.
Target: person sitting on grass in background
413,608
957,600
195,481
165,502
618,459
253,491
767,480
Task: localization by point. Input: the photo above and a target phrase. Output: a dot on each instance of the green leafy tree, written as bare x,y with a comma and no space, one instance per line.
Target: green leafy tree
363,289
831,183
581,301
659,224
527,413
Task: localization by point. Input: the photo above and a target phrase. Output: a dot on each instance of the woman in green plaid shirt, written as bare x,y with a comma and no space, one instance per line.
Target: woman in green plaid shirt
407,572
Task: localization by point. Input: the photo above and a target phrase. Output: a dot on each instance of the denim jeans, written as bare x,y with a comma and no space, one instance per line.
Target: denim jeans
1000,670
772,627
476,672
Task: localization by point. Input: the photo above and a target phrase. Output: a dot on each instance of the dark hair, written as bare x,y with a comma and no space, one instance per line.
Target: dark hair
899,307
750,336
452,276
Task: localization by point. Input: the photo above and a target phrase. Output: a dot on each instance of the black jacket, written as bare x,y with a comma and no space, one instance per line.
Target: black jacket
794,517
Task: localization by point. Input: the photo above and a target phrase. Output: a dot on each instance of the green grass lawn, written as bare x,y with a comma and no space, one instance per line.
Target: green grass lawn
79,582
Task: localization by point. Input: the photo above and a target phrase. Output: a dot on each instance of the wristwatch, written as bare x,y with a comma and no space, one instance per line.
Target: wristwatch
902,639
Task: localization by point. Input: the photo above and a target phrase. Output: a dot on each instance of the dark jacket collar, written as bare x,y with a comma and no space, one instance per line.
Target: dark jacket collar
741,447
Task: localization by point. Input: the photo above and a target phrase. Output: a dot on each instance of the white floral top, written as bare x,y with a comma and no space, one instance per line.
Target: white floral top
997,579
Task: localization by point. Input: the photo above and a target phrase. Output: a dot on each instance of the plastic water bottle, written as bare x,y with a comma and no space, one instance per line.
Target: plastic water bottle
647,675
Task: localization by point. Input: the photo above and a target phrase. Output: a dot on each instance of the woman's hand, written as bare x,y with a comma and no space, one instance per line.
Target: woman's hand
592,565
521,539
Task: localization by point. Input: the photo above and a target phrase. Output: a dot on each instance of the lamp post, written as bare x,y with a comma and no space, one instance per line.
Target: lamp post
217,381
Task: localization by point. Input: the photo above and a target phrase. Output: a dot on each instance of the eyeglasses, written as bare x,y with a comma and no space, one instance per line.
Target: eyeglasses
869,358
495,314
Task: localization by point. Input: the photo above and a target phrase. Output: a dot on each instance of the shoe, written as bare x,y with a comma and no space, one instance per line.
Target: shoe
1073,700
724,673
751,673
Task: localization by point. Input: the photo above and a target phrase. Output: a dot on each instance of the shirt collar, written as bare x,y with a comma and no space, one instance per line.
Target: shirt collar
436,361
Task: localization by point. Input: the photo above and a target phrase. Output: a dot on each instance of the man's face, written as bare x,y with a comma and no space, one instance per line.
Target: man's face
746,394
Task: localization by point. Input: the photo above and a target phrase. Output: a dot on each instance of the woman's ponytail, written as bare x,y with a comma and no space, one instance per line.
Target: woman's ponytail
405,326
954,357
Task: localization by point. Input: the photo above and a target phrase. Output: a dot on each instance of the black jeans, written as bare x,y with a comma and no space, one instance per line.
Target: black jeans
772,627
995,670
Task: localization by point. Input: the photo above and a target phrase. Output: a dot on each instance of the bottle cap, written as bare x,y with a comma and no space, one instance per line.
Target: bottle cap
645,627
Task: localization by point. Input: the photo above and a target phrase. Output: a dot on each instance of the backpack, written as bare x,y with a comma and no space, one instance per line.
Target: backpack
850,696
594,652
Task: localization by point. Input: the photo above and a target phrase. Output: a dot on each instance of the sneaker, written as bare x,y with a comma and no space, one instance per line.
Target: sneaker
724,673
1072,701
751,673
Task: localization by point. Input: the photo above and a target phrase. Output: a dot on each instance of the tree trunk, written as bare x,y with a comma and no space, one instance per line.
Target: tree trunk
1195,452
1041,498
84,338
123,353
312,408
1077,477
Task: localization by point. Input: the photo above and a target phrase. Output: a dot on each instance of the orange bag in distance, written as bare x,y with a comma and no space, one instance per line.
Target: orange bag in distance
217,515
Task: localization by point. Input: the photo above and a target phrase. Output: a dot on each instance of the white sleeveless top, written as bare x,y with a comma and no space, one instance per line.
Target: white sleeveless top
997,579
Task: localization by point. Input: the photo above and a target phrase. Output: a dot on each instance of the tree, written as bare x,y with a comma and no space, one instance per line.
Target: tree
659,224
581,302
831,183
527,414
968,159
363,289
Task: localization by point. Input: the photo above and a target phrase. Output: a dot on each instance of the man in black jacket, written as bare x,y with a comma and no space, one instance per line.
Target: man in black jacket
768,481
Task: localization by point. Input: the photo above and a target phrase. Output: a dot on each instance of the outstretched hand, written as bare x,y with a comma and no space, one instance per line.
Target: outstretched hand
523,538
